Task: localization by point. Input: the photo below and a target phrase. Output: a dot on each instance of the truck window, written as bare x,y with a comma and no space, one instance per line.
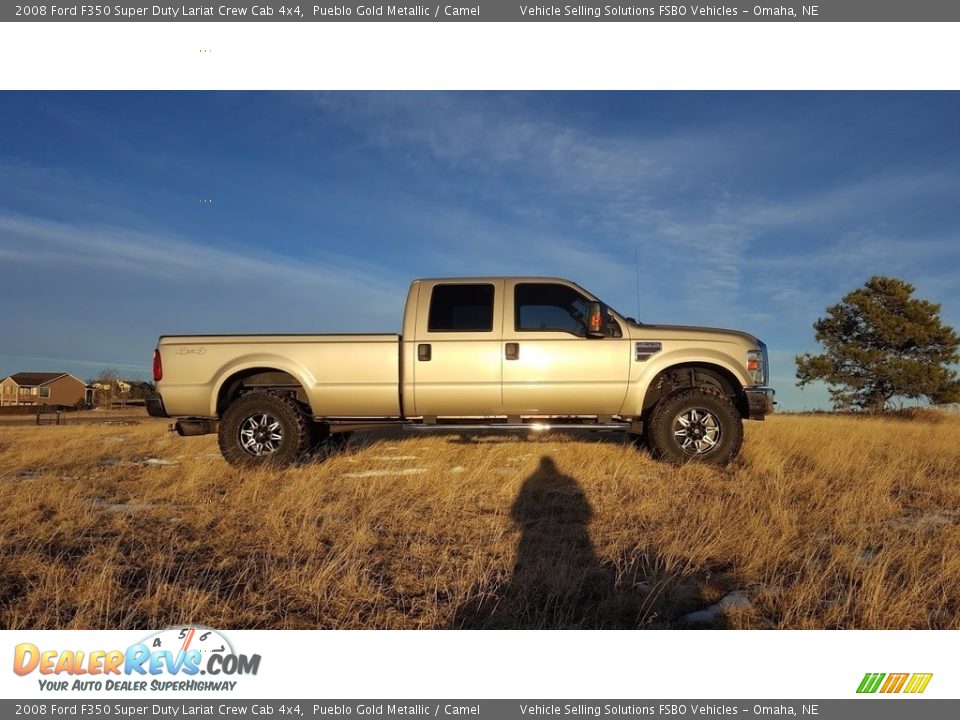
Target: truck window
461,308
547,306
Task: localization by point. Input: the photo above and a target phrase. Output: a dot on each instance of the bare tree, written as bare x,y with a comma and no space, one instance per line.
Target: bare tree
108,385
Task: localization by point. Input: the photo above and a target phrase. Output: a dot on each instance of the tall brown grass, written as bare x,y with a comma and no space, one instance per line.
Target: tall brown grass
823,522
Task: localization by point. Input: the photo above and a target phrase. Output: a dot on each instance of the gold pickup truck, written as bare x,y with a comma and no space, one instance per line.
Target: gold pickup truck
509,353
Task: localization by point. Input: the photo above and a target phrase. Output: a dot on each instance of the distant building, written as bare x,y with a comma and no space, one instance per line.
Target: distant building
43,388
119,387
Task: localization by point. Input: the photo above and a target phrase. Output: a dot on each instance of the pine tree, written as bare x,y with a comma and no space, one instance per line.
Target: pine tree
879,344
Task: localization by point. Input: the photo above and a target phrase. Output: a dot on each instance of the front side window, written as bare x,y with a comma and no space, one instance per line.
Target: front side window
45,392
461,308
550,307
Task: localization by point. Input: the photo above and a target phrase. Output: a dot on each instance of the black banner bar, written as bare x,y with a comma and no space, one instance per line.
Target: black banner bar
485,11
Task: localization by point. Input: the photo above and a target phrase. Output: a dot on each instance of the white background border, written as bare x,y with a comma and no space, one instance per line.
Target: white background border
819,664
665,664
542,56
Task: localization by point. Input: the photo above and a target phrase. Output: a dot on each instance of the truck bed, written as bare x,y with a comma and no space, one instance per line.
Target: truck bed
343,374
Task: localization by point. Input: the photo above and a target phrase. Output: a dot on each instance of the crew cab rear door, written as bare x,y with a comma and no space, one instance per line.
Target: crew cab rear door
550,366
457,356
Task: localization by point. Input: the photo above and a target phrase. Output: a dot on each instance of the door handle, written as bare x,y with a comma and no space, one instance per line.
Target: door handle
424,352
513,351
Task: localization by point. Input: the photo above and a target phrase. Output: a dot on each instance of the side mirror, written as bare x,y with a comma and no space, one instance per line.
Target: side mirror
595,328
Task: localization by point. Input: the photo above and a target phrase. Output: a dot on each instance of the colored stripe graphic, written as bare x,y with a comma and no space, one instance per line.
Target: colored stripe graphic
894,682
870,683
918,683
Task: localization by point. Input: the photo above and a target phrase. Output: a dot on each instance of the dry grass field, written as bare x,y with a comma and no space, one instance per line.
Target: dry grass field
823,522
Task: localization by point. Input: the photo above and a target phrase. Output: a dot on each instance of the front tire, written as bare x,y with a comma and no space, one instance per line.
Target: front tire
695,426
262,429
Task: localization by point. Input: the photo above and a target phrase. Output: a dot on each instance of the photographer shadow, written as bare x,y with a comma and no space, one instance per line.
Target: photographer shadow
558,582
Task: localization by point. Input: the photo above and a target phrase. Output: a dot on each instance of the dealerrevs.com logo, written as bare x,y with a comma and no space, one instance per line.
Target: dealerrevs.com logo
173,659
911,683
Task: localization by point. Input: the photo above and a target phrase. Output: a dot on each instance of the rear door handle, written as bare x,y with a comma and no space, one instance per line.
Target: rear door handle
512,351
424,352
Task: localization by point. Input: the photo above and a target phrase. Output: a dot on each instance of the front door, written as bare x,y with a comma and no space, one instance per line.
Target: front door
550,366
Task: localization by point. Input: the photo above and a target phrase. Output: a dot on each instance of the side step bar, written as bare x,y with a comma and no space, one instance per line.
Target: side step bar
515,427
189,427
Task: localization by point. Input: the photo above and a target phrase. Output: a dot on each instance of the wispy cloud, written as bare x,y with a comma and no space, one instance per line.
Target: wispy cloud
175,262
43,363
111,291
672,195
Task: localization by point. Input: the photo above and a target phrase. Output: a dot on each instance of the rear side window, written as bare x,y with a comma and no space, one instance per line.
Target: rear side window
461,308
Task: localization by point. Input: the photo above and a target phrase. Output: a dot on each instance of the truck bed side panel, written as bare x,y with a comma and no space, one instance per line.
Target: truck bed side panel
343,375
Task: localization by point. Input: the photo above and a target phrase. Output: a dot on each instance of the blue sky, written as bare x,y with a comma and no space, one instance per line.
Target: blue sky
747,210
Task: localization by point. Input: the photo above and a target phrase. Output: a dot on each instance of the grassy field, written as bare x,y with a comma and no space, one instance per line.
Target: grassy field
823,522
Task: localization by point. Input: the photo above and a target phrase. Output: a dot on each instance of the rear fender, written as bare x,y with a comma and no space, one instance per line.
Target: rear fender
263,362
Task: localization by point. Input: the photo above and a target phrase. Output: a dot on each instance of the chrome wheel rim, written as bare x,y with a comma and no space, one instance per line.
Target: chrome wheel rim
696,431
260,434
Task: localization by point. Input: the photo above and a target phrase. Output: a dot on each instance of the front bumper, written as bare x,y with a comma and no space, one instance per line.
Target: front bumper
760,400
155,406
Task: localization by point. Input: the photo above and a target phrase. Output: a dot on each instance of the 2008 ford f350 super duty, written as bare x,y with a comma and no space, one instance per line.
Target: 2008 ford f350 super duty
495,352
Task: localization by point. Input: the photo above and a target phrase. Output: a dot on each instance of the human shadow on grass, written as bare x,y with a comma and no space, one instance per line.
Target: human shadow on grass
559,581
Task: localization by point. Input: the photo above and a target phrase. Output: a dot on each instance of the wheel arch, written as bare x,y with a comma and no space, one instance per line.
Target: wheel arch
710,376
264,374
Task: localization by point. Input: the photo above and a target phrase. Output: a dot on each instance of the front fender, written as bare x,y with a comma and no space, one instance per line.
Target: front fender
643,373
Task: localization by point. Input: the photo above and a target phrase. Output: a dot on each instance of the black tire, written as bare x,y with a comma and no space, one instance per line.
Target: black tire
695,426
261,429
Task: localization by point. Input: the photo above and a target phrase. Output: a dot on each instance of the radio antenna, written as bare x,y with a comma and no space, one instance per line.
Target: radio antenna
636,262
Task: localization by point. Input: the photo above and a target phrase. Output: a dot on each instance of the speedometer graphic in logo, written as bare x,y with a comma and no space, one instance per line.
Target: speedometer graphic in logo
178,640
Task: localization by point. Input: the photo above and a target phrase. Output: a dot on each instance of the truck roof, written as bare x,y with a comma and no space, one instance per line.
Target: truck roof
494,278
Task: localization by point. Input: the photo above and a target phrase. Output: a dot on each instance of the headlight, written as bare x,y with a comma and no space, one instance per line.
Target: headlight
757,365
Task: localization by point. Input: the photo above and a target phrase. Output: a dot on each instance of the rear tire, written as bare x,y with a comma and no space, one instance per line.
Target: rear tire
695,426
262,429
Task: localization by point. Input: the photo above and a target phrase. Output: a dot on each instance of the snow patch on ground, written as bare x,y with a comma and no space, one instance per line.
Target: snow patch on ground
149,461
736,600
385,473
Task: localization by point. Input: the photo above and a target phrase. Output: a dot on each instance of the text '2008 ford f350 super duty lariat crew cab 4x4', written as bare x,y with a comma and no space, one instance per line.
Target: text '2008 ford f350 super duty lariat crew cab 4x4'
476,353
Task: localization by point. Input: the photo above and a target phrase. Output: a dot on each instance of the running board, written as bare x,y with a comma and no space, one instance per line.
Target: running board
514,427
